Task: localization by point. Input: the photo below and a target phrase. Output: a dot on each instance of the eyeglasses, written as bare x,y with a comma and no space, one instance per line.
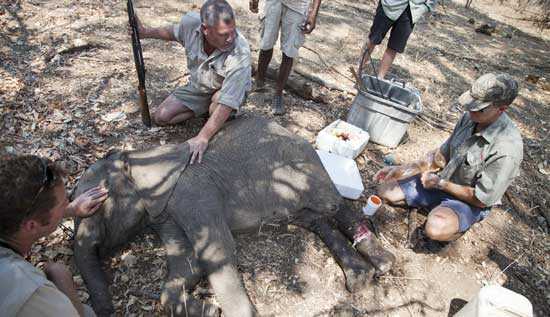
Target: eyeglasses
47,178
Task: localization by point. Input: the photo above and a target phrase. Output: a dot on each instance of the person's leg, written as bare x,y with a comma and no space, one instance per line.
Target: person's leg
387,61
400,32
264,59
172,111
62,278
292,38
391,193
380,27
269,32
284,72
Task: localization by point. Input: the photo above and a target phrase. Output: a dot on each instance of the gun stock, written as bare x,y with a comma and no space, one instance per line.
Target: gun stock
140,66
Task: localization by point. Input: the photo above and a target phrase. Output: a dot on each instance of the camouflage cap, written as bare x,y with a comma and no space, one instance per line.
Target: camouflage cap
488,89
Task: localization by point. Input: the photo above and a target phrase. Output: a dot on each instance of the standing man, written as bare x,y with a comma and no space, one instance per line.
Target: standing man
294,19
32,203
218,59
484,153
400,16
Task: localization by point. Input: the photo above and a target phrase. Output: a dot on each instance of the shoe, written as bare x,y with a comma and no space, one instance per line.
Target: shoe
277,107
366,243
423,244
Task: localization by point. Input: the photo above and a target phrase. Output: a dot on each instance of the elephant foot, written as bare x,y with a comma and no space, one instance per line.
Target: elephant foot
357,271
188,306
369,247
358,276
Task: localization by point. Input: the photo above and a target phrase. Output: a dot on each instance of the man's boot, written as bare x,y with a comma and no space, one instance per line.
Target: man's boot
368,246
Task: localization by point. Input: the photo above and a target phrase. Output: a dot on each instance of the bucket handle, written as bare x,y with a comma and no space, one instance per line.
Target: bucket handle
364,52
394,82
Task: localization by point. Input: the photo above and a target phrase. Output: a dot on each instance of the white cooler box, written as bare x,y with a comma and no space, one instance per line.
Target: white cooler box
343,139
344,174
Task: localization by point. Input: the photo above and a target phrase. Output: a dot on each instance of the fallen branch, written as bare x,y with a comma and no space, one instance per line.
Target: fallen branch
298,87
85,46
317,79
522,209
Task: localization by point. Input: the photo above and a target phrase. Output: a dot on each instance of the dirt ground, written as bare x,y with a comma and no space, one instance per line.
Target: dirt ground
68,92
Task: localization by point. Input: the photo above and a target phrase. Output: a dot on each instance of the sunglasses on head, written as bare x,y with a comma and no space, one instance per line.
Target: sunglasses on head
47,178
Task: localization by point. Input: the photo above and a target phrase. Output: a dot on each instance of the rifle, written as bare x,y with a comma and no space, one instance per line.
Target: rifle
140,66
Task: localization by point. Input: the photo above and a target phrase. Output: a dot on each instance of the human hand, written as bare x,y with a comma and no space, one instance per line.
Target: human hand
139,26
310,24
429,180
197,145
87,203
253,6
385,174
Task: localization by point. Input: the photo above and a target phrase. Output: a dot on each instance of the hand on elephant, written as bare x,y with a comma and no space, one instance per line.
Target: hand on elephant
197,145
87,203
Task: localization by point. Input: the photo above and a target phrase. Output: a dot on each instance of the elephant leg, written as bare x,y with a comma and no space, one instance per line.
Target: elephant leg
87,260
366,243
184,273
204,223
357,271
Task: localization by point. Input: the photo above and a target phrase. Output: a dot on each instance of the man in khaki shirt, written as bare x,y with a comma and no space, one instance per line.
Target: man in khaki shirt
484,153
32,203
218,59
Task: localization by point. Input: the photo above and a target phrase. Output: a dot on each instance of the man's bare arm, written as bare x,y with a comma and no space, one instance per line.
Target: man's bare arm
199,143
460,192
165,33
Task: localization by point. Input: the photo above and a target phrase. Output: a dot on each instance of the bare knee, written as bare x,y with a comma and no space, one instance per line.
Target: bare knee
56,270
442,225
162,116
391,193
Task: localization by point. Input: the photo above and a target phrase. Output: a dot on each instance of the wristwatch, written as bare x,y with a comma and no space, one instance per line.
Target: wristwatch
441,183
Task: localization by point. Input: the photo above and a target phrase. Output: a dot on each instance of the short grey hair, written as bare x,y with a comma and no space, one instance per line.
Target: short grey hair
213,11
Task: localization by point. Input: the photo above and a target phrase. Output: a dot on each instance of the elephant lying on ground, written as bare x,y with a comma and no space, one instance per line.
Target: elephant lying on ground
253,172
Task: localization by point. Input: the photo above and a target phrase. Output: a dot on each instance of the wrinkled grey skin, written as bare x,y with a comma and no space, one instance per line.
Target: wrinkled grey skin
253,172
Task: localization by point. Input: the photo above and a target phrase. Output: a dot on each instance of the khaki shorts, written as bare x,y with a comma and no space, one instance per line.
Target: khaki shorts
279,17
196,100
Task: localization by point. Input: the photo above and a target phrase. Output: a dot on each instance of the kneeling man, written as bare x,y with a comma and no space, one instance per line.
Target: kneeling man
218,59
484,153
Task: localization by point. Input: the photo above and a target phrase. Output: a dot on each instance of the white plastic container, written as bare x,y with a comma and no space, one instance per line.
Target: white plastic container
343,139
497,301
344,174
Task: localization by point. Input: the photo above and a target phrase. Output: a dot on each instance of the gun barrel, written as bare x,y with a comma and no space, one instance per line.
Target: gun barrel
140,65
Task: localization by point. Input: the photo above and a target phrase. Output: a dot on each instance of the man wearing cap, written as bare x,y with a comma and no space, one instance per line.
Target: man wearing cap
218,59
293,19
483,152
400,16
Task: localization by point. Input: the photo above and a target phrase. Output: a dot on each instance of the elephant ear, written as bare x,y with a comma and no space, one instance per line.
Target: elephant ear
155,172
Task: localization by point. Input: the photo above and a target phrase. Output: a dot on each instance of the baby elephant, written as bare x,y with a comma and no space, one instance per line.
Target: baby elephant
253,172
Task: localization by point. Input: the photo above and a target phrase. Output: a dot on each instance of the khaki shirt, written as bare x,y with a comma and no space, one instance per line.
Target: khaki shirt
394,8
488,160
26,292
229,71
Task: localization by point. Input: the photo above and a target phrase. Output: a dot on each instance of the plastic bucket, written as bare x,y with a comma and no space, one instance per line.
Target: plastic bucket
384,110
